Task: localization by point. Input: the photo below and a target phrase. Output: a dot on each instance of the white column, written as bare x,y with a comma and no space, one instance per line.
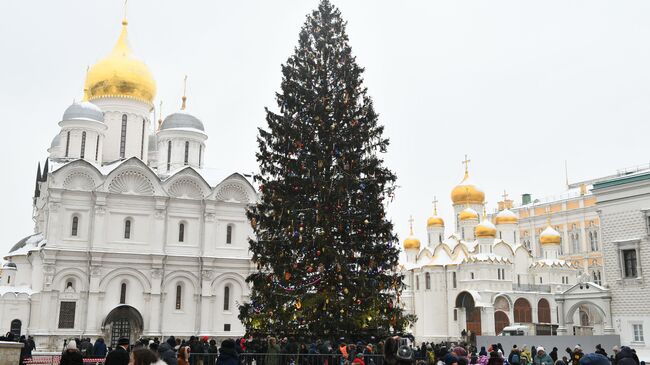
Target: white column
487,322
561,329
608,328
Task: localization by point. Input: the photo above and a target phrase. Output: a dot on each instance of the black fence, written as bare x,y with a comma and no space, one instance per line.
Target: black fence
287,359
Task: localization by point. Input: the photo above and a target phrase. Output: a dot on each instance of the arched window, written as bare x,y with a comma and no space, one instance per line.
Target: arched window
97,149
187,152
67,144
123,293
82,154
123,137
439,238
543,311
169,155
417,282
200,155
226,298
179,296
427,281
16,326
229,234
453,279
181,232
127,228
522,311
75,226
69,285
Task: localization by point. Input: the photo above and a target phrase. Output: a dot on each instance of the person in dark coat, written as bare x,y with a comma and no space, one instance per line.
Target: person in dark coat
227,353
71,355
495,359
600,350
99,349
119,356
627,356
553,354
167,354
86,348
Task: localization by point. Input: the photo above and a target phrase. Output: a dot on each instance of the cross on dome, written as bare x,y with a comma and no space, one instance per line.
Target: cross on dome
466,162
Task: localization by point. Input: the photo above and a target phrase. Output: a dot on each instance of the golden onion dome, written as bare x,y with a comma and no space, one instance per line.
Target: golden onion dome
435,221
467,193
485,229
411,242
467,213
506,216
550,237
121,74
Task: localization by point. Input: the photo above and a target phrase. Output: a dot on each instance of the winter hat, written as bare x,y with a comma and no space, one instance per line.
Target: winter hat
205,338
228,344
514,346
123,341
577,347
594,359
540,349
72,345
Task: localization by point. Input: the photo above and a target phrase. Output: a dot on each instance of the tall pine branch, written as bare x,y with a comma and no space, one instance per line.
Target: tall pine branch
325,252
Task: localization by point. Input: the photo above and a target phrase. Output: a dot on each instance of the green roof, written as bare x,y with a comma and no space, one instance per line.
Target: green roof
622,180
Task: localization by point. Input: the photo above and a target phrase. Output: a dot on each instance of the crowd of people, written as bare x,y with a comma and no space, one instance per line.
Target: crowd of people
292,351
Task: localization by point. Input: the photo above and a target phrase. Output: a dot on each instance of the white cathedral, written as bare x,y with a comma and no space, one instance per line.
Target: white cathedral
481,278
133,236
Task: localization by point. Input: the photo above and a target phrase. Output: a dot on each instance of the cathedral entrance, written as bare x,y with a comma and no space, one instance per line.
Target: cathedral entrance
123,321
501,321
465,301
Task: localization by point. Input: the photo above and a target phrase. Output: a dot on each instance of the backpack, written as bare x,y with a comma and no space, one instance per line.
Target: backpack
515,359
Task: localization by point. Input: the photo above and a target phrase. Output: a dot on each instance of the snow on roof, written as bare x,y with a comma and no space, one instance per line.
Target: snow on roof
213,176
4,289
487,257
27,244
551,263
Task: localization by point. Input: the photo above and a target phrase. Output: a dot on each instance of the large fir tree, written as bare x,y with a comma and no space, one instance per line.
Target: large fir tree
324,249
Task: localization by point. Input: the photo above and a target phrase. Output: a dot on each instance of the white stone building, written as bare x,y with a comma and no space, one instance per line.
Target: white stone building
624,209
481,278
133,235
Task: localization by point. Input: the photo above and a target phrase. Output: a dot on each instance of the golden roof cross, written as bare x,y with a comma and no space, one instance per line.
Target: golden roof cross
184,98
411,220
505,196
435,205
466,162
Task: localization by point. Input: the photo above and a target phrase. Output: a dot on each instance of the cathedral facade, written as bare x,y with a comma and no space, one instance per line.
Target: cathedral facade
133,235
482,277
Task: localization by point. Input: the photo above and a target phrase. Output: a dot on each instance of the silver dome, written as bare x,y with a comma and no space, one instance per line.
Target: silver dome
56,141
182,120
84,110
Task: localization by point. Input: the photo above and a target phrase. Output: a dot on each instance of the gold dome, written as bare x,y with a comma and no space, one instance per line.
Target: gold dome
485,229
120,74
467,213
411,242
506,216
435,221
467,193
550,237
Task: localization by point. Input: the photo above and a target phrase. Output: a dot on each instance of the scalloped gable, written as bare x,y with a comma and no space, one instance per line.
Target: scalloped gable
133,176
504,244
187,183
76,175
235,188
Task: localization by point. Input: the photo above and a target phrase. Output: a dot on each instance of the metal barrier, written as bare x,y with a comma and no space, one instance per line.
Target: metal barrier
56,359
286,359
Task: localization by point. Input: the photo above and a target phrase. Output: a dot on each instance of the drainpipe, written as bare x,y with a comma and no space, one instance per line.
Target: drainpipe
88,259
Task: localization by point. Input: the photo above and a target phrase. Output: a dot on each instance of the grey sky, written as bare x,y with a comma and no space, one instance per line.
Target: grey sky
519,86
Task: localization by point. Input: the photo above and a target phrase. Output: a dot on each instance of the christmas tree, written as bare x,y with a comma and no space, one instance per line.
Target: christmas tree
325,252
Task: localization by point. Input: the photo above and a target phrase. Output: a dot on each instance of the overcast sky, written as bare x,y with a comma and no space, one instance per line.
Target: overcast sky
519,86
